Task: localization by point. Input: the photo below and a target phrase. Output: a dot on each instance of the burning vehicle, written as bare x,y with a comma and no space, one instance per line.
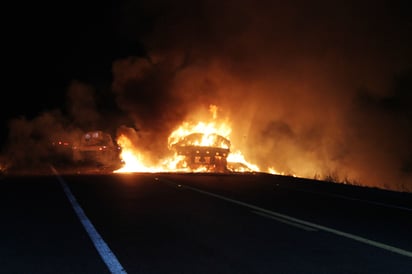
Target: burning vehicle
204,152
195,146
97,148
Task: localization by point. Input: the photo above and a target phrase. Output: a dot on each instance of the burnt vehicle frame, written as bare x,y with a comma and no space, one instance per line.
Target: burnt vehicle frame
212,158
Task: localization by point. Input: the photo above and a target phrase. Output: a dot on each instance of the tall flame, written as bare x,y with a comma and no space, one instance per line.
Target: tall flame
134,161
237,157
208,130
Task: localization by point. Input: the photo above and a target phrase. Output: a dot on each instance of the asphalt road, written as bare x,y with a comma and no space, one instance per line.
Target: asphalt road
200,223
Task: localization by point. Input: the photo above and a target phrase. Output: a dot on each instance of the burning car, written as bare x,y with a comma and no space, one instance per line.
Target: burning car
97,148
205,152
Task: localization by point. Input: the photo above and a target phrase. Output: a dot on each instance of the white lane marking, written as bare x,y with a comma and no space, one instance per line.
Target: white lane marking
306,223
355,199
307,228
107,255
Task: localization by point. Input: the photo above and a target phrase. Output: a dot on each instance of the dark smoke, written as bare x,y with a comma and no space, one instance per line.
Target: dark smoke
30,141
317,88
82,105
151,92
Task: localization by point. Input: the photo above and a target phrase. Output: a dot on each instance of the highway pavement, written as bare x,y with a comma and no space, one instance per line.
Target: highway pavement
200,223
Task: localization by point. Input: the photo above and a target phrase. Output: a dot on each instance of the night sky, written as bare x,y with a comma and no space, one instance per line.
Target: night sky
323,87
49,45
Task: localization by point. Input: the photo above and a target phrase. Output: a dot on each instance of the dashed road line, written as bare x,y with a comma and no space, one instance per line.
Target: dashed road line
307,228
296,220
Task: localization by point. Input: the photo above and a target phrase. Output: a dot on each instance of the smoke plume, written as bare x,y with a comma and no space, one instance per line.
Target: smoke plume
318,89
82,105
30,141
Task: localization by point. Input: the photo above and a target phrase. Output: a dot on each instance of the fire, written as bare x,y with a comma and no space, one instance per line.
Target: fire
209,132
203,146
133,160
272,170
238,157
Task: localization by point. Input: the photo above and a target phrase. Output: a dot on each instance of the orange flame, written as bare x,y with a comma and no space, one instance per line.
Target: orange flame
133,159
213,134
238,157
208,130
